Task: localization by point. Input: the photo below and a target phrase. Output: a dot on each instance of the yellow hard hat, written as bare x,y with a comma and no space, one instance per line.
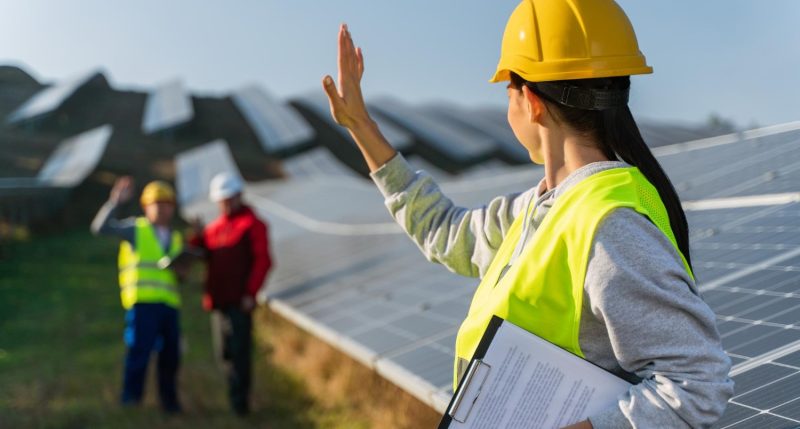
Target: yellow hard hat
157,192
548,40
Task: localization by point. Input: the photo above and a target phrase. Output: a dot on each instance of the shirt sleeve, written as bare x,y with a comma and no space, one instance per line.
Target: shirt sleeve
262,261
105,223
462,239
659,329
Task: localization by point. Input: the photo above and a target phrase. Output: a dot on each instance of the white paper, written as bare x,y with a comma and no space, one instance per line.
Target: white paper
535,384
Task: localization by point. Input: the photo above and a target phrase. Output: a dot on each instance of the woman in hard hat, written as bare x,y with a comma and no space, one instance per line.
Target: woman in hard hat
595,258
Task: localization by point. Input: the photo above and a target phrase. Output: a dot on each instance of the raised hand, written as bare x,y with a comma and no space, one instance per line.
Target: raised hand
347,102
122,192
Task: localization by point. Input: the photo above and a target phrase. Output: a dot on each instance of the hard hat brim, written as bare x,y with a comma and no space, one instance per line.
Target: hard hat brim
147,202
578,69
224,195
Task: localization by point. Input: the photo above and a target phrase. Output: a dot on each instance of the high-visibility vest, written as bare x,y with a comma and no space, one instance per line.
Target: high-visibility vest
542,291
140,278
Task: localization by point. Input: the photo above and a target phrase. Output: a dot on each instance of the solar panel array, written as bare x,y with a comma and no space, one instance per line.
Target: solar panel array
168,106
347,272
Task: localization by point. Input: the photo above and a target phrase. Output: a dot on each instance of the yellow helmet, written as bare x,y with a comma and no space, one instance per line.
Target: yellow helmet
157,192
548,40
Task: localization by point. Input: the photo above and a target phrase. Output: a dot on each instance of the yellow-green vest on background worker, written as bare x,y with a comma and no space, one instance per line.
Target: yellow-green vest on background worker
140,278
542,291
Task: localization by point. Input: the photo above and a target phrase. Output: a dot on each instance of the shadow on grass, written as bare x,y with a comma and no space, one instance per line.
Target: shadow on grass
61,350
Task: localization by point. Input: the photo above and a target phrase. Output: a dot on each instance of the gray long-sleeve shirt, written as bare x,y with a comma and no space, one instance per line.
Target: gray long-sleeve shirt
642,318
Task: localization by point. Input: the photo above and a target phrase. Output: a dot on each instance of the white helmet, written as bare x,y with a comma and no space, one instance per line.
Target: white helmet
224,186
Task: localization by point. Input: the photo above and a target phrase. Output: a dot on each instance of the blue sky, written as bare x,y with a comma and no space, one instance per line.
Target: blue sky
738,58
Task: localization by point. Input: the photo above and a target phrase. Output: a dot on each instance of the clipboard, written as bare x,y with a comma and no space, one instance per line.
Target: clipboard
575,389
471,384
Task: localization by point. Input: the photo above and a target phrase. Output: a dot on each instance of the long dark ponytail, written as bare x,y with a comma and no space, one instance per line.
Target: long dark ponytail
616,132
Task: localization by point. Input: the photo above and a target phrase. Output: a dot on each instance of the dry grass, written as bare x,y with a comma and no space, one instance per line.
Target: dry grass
353,395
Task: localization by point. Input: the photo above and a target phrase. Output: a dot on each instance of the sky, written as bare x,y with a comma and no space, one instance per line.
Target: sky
739,59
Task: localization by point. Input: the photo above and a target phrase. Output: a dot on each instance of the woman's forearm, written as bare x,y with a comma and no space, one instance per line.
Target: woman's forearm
373,145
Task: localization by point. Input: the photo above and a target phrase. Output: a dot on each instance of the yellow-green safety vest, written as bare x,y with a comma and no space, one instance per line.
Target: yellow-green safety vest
542,291
140,278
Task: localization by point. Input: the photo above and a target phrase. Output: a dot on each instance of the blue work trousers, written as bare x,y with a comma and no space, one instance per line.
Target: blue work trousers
148,328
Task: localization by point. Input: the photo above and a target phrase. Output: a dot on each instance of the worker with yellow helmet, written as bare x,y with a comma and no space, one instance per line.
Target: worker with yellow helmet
148,289
594,258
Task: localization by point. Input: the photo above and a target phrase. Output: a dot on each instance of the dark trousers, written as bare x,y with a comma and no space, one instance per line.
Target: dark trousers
150,327
232,335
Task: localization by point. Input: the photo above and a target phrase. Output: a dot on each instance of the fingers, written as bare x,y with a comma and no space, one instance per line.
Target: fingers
341,56
345,99
335,101
330,89
348,58
360,57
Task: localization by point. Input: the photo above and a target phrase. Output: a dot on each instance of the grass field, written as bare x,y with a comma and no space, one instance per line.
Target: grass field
61,356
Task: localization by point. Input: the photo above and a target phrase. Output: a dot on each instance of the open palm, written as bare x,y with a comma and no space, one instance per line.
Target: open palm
346,101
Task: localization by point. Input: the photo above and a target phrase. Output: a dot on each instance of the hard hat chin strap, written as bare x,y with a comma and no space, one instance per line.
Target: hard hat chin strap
580,97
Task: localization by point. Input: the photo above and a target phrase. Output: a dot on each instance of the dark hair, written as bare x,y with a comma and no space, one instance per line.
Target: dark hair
616,132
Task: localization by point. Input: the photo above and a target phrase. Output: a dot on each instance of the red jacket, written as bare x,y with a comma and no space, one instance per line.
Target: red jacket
237,258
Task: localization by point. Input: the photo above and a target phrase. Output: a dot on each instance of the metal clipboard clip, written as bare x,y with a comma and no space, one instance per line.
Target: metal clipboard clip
470,390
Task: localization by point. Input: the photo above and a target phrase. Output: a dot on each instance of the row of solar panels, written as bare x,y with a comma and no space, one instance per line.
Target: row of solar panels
445,136
347,273
71,162
24,200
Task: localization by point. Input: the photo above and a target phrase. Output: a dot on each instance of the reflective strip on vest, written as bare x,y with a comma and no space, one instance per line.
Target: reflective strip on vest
543,291
140,279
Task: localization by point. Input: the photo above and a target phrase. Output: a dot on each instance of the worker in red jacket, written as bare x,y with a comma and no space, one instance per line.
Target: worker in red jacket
238,260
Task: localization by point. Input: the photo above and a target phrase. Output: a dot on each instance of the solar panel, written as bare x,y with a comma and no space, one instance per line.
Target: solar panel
168,106
753,162
195,168
454,144
75,158
51,98
371,293
657,134
318,162
317,102
277,125
768,394
478,121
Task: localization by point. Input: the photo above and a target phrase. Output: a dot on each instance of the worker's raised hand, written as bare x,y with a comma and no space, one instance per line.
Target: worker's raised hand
346,101
347,104
122,192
